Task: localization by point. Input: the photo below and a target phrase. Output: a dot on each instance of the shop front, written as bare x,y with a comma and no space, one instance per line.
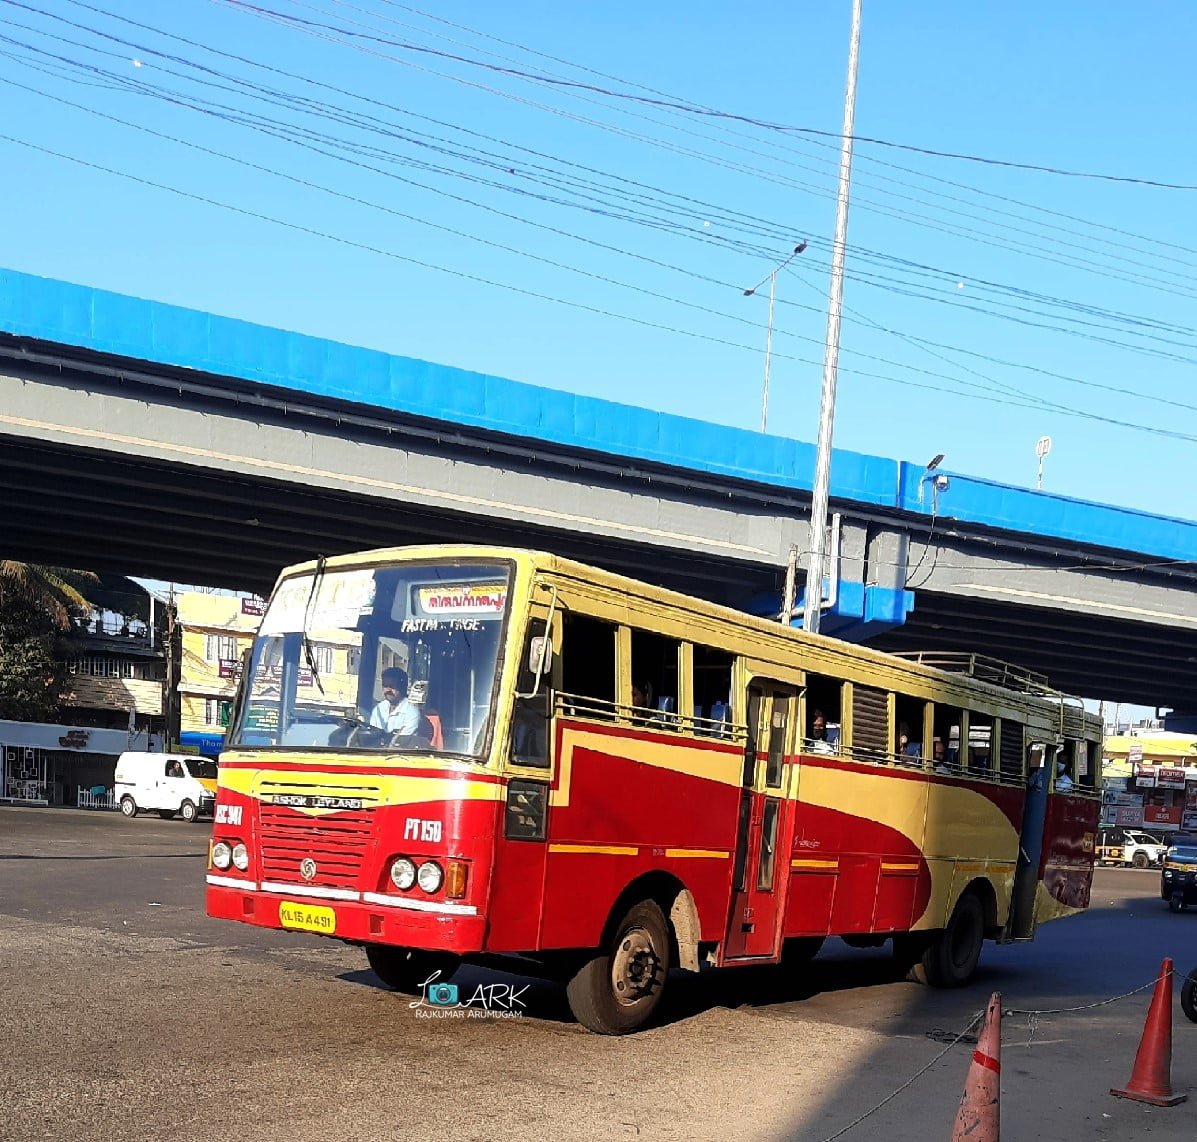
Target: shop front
42,764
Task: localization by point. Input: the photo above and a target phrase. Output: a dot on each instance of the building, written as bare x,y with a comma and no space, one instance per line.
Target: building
113,702
213,632
1150,781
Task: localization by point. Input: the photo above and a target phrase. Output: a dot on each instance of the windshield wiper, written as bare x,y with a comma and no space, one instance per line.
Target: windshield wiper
308,650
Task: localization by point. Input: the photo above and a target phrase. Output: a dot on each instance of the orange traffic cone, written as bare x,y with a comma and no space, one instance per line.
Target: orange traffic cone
1151,1078
977,1118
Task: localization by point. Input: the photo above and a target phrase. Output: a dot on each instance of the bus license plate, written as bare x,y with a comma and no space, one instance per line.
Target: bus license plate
307,917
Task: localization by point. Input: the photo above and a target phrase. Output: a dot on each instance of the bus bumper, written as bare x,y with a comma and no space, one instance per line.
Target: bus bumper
369,919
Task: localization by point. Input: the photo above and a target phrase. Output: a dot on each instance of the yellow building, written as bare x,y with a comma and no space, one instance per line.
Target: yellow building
214,631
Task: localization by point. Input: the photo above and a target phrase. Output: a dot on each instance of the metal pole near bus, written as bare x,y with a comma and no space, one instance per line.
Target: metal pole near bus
818,513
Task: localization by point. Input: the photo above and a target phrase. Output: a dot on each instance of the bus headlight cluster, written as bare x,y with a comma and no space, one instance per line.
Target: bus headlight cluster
403,874
406,875
430,876
230,853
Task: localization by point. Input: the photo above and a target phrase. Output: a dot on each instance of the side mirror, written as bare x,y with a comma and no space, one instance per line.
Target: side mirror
540,654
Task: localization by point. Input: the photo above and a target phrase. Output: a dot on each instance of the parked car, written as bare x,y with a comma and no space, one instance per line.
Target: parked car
1178,878
1129,846
167,783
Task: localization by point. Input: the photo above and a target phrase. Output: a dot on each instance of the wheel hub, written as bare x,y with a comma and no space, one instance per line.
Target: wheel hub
635,966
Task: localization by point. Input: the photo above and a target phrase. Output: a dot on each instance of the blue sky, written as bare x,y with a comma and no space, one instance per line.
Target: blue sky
939,248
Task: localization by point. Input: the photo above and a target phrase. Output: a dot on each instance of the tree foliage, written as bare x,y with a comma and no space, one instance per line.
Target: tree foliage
39,610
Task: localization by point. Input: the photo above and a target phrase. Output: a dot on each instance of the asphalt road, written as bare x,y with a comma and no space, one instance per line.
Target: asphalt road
127,1014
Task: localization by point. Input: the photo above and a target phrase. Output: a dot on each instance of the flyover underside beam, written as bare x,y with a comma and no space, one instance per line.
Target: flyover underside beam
234,531
475,488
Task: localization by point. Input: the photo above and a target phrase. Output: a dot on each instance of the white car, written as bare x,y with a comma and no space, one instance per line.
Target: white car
1142,849
167,783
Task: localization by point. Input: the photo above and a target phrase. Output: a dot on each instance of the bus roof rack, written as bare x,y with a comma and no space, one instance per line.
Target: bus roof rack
984,669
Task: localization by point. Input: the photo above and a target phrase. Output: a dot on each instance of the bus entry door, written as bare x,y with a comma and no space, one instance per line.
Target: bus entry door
759,876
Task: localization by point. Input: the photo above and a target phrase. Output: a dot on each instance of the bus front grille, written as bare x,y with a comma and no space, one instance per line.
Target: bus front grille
331,826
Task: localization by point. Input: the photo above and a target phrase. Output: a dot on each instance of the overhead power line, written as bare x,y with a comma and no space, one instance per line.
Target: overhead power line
697,109
554,299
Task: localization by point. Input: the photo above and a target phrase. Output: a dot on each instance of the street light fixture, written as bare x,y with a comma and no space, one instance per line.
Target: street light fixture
772,280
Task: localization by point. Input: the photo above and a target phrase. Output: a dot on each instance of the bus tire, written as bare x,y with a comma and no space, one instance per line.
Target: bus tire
128,806
950,959
617,991
1188,996
408,969
799,952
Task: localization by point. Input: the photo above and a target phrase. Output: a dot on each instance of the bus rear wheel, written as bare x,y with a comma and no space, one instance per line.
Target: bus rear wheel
950,958
1188,996
409,969
617,991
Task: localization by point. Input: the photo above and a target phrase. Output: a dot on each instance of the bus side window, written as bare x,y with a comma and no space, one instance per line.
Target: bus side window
946,740
908,734
655,679
587,667
1010,751
1089,764
870,723
712,691
980,743
824,713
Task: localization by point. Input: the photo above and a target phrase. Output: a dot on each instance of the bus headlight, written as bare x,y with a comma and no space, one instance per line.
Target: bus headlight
241,856
403,873
222,855
430,876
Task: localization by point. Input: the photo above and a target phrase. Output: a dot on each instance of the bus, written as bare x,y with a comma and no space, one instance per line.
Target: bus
499,756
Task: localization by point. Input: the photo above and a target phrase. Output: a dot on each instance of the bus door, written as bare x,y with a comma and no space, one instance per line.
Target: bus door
759,874
1030,844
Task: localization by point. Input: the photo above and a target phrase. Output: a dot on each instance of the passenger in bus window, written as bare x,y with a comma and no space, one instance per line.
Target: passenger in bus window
1063,778
906,747
820,742
938,756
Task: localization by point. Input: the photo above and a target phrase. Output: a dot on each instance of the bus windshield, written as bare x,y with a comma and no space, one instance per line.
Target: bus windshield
381,658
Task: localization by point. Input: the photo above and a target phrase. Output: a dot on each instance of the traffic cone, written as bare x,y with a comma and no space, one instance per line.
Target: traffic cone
977,1118
1151,1078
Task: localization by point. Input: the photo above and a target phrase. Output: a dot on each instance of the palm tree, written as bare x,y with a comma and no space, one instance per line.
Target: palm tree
58,591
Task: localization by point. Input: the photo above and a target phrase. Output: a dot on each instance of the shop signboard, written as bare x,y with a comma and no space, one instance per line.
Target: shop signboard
1134,752
1168,778
1129,815
1189,817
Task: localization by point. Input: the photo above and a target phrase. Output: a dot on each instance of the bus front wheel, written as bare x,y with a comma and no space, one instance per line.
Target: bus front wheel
409,969
618,991
950,958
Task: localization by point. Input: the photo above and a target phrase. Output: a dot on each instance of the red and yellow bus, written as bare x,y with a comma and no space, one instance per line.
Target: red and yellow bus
460,753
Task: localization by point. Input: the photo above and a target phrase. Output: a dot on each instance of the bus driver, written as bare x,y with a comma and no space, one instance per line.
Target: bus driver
396,713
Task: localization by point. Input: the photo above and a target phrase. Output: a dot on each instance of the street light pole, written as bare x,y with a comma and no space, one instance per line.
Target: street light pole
818,515
768,352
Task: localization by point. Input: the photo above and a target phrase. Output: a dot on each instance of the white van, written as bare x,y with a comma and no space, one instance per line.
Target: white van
167,783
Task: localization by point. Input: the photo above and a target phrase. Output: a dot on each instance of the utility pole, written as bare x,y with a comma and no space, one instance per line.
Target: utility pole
818,515
168,685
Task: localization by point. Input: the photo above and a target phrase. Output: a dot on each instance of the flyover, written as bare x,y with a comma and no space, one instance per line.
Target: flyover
154,440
